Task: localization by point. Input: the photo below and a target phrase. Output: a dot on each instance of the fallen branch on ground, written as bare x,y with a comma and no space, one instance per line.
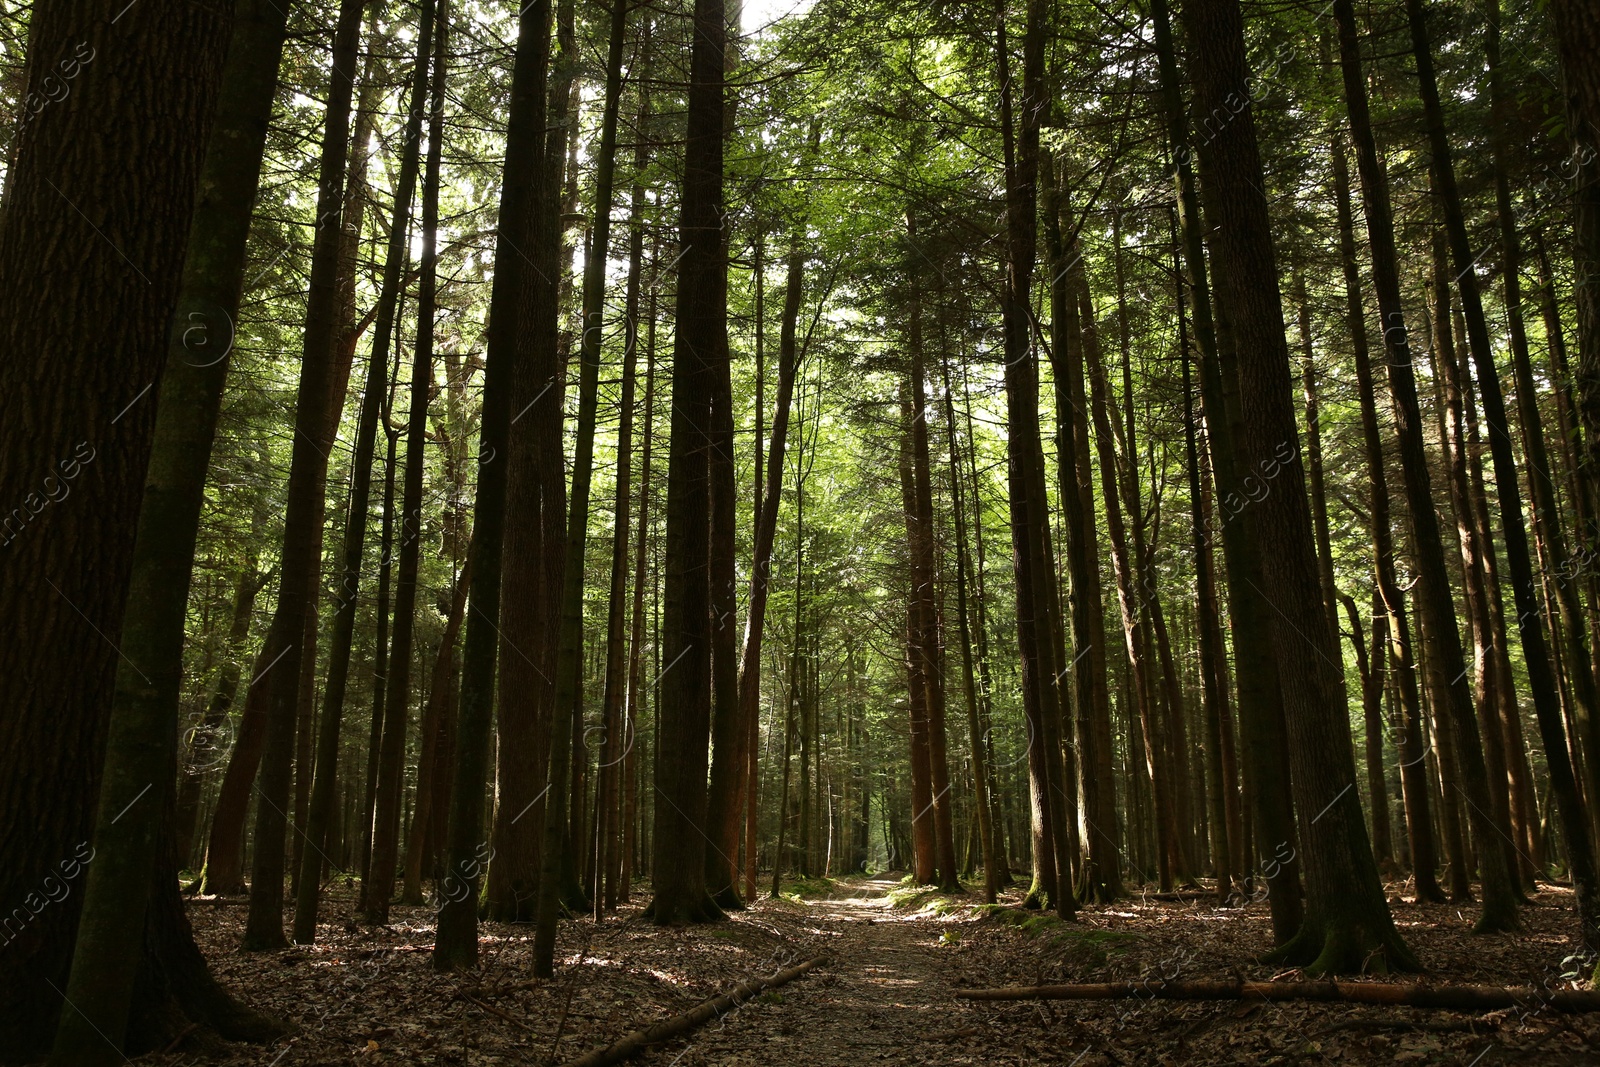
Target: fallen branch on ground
1449,997
705,1012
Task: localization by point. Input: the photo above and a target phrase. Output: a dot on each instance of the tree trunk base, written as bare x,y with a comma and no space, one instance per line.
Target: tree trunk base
728,899
683,912
1344,947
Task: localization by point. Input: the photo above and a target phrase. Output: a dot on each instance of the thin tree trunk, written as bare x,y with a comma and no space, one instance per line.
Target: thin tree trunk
314,418
355,530
569,676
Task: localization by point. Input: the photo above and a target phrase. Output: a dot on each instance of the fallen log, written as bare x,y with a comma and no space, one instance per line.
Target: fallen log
704,1012
1447,997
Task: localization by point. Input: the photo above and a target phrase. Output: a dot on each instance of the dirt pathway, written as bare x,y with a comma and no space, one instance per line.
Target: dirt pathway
882,998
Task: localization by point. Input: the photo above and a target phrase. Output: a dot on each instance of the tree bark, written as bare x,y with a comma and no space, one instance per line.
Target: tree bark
1408,739
314,418
136,861
1347,925
456,944
700,351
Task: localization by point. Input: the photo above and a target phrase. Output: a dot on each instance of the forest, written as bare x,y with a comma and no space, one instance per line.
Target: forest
799,532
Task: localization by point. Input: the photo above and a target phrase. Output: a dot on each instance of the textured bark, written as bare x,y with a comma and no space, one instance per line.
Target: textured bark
630,766
456,944
1171,860
1577,27
700,350
120,989
436,751
924,854
1268,817
1348,926
536,509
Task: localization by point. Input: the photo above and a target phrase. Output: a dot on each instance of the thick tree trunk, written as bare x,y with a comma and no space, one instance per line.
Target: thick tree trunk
1347,925
131,884
1269,813
1577,27
534,554
699,353
456,945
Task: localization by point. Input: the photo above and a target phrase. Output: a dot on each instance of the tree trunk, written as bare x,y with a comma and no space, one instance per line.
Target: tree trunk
1347,925
569,677
1435,603
1408,739
1370,664
314,419
1540,682
456,944
1270,809
1103,875
1038,607
700,352
132,883
1577,34
355,529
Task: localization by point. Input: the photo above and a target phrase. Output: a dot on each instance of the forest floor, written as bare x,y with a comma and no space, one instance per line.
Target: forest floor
895,956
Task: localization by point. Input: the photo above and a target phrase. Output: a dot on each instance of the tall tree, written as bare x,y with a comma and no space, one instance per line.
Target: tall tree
700,349
300,563
1530,626
1435,601
568,662
456,944
1347,925
141,737
355,526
